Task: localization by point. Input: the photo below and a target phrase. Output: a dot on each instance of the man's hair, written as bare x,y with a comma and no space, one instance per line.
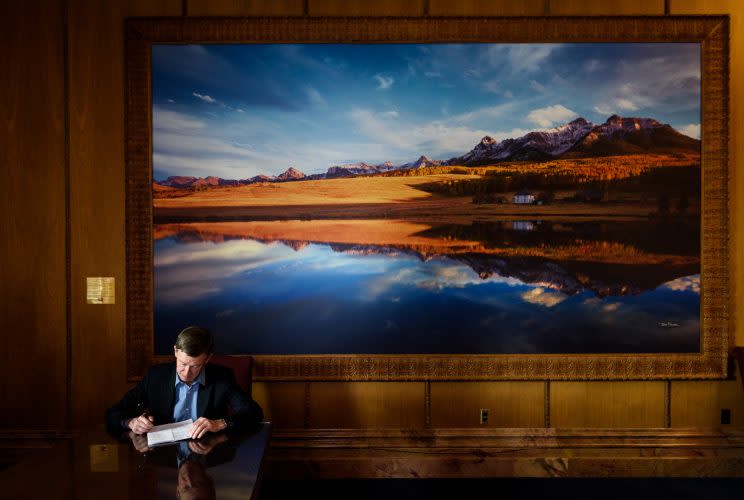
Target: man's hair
194,341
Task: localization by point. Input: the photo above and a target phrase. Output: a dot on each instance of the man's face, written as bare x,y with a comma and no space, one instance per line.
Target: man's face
189,368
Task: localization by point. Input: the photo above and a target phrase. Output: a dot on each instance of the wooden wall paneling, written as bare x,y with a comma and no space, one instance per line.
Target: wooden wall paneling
594,8
283,403
510,404
33,309
246,8
366,7
699,403
735,8
607,404
486,8
341,405
96,80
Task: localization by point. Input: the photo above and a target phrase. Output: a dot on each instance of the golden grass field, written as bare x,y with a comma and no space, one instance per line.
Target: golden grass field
355,190
404,195
371,197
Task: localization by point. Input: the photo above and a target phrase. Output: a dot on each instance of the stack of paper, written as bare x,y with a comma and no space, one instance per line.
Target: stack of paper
169,433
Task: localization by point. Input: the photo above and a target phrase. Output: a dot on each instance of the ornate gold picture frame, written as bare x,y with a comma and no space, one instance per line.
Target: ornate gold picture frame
711,32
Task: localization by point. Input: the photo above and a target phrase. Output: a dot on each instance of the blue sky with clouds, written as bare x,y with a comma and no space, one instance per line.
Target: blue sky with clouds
236,111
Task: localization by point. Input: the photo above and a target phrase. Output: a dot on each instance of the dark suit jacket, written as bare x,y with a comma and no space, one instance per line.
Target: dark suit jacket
157,392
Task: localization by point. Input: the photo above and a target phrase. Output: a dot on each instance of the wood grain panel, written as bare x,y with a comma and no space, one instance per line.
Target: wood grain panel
283,403
735,8
699,403
473,453
245,8
341,405
365,7
97,189
607,404
33,307
510,404
486,8
594,8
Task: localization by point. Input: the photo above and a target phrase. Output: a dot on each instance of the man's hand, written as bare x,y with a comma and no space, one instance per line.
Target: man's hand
203,425
140,442
204,446
141,424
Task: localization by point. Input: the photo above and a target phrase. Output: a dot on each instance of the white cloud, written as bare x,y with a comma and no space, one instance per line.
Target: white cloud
436,275
205,98
519,58
513,133
603,109
227,168
626,104
164,120
543,297
691,130
546,117
437,139
193,146
492,86
537,86
384,82
188,272
473,73
315,97
185,145
611,307
671,82
592,65
616,106
684,284
235,251
488,112
398,137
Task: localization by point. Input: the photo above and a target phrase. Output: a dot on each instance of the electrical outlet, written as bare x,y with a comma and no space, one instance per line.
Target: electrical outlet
725,416
484,416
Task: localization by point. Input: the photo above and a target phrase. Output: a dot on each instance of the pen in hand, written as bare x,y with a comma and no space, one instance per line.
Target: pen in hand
144,422
143,410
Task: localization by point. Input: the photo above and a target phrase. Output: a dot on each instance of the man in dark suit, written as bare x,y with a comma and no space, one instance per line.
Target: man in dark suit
190,388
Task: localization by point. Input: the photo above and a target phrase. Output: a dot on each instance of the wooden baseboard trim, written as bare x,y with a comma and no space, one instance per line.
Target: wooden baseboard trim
451,453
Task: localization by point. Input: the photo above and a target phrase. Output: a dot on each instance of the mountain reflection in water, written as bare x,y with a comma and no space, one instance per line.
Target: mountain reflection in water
507,287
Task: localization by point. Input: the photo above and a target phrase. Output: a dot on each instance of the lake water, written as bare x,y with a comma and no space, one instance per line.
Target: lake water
520,286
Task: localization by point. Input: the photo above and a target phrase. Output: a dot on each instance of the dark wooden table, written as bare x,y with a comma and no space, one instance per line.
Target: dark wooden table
94,464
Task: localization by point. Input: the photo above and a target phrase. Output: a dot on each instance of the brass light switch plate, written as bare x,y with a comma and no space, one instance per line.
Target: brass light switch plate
100,290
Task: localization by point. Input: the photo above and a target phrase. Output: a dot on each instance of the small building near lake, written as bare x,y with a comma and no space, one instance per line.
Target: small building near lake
523,198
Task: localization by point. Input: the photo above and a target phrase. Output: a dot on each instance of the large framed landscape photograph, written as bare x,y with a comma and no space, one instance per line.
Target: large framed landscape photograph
422,199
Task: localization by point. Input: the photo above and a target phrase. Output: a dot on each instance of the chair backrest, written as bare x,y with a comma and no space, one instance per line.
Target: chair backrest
242,367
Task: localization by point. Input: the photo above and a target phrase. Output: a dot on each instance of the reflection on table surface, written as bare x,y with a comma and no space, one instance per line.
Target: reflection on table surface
94,464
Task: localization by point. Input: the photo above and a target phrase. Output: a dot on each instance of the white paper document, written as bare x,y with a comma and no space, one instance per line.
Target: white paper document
168,433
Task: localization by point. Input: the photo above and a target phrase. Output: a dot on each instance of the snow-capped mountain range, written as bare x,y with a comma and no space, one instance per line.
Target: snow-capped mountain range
351,169
581,138
578,138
